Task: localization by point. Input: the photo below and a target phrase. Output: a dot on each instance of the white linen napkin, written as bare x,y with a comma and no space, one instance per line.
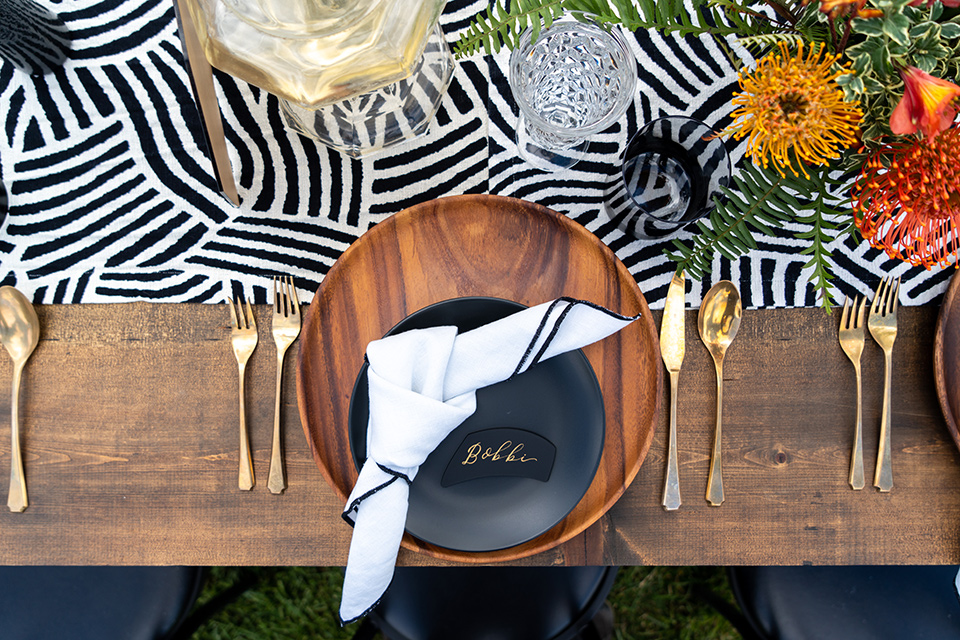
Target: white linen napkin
422,385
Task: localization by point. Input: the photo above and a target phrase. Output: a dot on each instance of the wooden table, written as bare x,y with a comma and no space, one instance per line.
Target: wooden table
130,434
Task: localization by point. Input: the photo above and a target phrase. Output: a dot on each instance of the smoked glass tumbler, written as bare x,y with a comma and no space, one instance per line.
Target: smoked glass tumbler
672,170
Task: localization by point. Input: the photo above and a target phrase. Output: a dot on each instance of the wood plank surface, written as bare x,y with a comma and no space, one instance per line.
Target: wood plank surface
130,436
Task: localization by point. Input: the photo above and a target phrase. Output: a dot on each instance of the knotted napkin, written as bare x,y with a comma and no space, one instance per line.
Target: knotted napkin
422,385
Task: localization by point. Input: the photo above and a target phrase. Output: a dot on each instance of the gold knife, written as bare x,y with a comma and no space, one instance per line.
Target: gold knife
671,350
201,80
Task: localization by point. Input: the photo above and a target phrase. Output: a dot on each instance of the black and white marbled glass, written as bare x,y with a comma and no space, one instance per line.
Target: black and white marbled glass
672,170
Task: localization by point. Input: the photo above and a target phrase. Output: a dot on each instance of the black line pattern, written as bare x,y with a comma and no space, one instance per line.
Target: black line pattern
111,195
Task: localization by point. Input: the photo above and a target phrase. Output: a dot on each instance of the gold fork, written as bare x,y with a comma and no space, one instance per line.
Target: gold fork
883,328
286,328
851,339
244,338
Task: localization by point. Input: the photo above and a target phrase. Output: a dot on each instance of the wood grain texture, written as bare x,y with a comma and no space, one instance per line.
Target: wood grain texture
946,358
789,411
131,446
479,246
130,441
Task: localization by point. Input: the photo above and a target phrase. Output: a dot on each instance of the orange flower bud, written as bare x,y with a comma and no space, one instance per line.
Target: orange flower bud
834,8
927,104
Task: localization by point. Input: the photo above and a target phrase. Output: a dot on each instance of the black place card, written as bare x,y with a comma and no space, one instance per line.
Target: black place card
501,452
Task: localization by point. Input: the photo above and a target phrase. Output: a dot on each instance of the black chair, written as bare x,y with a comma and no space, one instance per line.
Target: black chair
474,603
851,603
96,603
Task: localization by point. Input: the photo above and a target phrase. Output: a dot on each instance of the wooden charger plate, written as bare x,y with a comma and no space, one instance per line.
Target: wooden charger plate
946,357
478,245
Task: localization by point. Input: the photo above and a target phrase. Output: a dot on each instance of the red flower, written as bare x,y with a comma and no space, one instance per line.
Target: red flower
907,200
927,104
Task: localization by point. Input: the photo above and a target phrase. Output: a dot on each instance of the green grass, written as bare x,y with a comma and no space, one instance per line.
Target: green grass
300,603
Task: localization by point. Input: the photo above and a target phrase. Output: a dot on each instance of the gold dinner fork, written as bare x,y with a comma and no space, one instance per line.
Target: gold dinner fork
244,338
883,328
851,339
286,328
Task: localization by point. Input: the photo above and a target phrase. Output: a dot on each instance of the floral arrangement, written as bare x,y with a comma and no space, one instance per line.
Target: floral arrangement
849,116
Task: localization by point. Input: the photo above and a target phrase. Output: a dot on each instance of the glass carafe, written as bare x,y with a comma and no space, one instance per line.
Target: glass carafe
319,55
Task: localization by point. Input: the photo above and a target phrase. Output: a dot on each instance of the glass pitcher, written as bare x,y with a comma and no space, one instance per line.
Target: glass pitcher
326,58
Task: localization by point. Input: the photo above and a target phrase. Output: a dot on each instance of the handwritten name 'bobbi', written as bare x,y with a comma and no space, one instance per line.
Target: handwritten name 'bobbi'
504,453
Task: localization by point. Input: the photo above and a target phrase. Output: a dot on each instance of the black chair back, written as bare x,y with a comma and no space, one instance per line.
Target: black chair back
96,603
852,603
507,603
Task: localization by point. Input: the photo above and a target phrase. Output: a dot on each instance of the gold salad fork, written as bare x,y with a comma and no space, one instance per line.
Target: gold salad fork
244,338
286,328
883,328
851,339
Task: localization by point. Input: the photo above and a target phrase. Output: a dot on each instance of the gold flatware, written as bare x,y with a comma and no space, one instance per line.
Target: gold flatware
718,322
19,333
851,340
883,327
244,339
286,328
672,350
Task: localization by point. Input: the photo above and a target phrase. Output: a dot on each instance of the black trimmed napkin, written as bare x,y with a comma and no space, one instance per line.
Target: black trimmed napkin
422,386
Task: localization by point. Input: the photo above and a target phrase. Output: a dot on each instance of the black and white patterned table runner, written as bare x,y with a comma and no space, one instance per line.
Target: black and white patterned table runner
112,198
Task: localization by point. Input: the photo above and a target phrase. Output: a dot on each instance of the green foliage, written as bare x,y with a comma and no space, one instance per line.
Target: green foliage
880,47
828,217
665,603
763,42
500,26
762,201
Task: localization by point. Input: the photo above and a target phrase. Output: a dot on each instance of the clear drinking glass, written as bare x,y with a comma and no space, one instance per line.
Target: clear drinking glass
672,170
575,80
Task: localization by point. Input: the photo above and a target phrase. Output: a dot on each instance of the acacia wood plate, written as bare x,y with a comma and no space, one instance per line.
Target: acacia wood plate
946,357
478,245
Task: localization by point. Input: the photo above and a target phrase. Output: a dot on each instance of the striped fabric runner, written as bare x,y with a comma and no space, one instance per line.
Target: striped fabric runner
111,195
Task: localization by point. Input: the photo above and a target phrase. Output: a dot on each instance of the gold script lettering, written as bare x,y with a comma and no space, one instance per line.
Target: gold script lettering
504,452
472,454
512,458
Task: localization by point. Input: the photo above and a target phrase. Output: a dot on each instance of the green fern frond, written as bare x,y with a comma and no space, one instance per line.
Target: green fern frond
758,202
761,202
499,26
828,218
765,41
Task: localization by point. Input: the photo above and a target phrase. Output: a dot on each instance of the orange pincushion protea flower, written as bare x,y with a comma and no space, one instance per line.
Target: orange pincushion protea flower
793,111
907,200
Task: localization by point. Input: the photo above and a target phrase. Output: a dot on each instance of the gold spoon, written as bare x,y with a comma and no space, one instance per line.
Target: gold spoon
19,333
718,322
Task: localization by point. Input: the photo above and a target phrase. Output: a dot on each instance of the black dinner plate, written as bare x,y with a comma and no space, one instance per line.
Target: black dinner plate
557,400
